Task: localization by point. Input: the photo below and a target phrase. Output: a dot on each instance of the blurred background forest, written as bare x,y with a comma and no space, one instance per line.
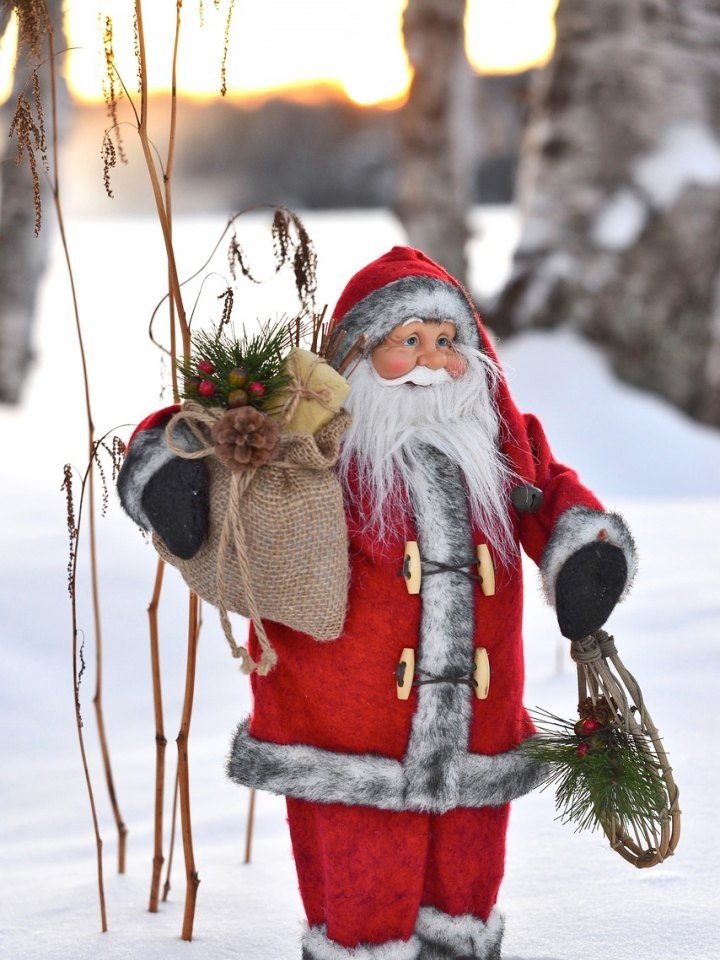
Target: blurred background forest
597,121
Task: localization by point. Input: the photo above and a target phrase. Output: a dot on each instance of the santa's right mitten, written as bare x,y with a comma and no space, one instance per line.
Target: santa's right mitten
163,493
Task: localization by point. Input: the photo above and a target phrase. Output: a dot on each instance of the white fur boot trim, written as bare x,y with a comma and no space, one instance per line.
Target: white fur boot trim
450,937
318,946
577,527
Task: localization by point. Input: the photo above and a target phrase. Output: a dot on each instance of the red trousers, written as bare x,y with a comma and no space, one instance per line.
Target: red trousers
365,873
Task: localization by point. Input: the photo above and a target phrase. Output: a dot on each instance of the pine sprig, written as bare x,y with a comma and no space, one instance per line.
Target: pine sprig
260,356
605,780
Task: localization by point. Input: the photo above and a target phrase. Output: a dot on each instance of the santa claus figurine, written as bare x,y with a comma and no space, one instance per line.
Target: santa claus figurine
398,744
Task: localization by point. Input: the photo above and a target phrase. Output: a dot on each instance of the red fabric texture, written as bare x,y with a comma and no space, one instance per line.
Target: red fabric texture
394,265
347,687
365,873
157,419
341,695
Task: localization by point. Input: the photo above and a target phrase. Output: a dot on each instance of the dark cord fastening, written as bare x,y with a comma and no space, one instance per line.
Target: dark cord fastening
433,678
445,568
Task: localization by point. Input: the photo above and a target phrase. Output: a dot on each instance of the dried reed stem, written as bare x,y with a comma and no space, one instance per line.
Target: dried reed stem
166,885
249,827
92,449
92,509
160,741
74,526
155,181
191,874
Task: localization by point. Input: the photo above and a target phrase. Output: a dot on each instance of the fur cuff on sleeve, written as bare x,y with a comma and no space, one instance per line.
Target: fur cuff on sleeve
578,527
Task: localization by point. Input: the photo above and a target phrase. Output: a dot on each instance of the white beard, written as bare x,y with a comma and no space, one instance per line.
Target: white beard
458,418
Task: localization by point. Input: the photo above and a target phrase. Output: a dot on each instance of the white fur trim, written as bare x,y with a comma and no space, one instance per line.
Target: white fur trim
322,776
463,936
577,527
318,946
409,298
148,453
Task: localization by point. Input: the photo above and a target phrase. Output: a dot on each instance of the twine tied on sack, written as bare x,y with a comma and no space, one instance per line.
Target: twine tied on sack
199,420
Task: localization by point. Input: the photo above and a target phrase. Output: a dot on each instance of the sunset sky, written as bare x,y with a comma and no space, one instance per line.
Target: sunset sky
354,46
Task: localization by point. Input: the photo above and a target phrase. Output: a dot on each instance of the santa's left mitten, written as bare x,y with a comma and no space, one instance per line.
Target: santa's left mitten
166,494
588,566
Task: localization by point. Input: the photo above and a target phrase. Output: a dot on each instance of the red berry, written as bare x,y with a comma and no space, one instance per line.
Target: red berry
206,366
583,749
590,726
256,389
206,388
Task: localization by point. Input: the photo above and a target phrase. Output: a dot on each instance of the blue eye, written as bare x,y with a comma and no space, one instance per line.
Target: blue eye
411,341
444,341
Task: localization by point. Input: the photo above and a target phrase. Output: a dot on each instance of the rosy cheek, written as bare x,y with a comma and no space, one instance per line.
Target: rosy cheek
397,366
456,365
391,365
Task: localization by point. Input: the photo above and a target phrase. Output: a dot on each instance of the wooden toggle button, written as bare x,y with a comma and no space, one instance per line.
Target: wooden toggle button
412,568
405,673
481,673
486,570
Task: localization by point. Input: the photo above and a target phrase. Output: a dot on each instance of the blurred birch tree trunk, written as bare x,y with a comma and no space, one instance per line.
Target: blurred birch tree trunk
23,256
436,133
619,191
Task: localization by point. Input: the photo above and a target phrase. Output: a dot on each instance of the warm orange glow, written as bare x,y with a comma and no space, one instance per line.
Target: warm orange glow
8,44
354,46
509,36
274,45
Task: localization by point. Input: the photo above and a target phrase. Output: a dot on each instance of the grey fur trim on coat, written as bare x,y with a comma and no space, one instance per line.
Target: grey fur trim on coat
369,780
450,938
424,298
316,945
577,527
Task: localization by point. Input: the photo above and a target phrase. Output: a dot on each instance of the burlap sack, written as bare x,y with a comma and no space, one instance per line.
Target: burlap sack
292,527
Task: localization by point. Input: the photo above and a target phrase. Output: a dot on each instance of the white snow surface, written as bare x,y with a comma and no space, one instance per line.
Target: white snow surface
620,222
688,153
565,895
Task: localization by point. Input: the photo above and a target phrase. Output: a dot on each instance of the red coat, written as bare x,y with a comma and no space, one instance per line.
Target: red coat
327,724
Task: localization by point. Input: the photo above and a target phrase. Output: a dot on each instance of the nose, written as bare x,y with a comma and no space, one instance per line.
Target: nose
433,358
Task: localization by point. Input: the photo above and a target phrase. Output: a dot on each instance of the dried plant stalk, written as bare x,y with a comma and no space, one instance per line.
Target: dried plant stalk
191,874
160,741
74,522
250,826
36,31
166,885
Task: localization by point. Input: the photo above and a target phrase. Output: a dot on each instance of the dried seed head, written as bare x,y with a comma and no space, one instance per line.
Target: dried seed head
228,298
226,45
71,526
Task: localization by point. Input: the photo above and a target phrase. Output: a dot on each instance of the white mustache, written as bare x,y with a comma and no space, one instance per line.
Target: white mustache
421,376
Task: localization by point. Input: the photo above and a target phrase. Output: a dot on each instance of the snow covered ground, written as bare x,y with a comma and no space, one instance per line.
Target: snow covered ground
566,896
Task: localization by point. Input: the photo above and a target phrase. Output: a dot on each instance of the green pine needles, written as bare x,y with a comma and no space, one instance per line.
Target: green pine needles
223,371
604,777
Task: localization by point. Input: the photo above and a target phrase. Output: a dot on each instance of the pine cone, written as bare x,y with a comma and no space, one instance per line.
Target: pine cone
245,438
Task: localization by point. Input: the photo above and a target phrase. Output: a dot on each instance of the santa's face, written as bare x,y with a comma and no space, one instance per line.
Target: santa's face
403,399
418,352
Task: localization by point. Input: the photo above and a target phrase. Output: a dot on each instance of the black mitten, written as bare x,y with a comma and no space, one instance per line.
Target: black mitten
166,494
589,584
176,501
